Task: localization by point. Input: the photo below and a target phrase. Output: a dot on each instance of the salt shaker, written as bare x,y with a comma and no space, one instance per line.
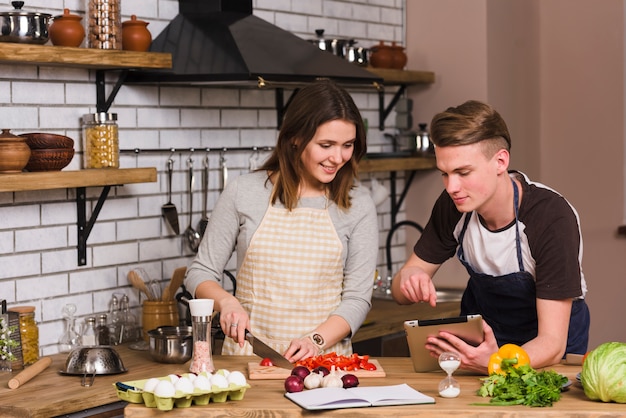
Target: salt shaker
201,312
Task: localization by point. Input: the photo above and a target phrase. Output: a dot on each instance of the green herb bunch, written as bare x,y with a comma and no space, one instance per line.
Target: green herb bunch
523,386
6,342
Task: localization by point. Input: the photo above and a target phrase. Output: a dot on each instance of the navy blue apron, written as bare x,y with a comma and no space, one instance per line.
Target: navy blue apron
508,303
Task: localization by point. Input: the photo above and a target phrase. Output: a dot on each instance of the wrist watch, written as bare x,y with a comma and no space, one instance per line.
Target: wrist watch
318,340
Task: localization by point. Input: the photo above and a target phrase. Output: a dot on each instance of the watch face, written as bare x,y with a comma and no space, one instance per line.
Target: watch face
318,339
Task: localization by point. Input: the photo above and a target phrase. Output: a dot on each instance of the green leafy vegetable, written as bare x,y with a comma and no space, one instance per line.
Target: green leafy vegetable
603,375
523,386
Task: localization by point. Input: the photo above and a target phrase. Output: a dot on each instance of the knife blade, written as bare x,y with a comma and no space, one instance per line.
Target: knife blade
265,351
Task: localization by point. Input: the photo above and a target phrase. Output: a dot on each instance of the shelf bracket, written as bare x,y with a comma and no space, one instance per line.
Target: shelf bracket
383,112
84,227
281,107
396,201
102,102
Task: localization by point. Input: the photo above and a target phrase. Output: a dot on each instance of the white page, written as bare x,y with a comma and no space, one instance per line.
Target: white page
391,395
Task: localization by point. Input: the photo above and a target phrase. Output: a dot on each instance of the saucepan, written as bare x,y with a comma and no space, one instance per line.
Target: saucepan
24,27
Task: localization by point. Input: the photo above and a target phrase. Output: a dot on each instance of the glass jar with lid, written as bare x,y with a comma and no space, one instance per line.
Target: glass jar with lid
101,141
29,333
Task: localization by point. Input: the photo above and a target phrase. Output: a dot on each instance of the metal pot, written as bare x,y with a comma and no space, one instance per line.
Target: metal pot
357,54
24,27
171,344
334,46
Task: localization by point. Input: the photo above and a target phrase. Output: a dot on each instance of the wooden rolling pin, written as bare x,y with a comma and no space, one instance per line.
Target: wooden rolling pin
30,372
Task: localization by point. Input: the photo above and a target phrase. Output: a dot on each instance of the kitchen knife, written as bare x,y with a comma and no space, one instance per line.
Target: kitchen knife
265,351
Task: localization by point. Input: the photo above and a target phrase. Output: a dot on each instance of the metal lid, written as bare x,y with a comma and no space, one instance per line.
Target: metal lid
100,117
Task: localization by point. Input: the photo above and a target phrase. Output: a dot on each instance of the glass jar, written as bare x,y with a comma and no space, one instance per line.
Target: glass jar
103,330
89,334
29,334
101,141
104,24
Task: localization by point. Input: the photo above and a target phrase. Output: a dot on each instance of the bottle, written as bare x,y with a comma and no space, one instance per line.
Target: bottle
89,333
29,333
201,311
103,330
115,322
129,333
101,140
70,339
104,26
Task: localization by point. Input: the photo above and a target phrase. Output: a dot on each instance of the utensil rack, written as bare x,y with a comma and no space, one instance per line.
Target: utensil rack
192,150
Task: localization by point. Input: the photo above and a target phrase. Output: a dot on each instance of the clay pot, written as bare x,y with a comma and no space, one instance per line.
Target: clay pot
381,56
135,35
14,152
399,56
66,30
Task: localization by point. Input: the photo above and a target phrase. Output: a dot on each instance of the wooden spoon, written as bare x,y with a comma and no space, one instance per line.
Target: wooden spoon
139,284
169,293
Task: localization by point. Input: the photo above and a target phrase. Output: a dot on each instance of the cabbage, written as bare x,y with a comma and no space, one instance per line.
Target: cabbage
603,373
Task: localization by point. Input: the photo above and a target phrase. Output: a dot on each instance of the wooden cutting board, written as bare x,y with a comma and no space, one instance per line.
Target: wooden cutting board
258,372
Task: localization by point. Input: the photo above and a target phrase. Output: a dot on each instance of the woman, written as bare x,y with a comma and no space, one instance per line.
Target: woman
305,233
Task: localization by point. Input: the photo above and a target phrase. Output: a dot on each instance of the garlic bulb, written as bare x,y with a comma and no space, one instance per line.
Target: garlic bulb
313,380
332,380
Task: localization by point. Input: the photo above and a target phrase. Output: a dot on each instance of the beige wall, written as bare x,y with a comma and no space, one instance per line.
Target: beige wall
555,71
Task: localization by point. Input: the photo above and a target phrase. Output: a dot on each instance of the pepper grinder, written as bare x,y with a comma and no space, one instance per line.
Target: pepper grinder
201,312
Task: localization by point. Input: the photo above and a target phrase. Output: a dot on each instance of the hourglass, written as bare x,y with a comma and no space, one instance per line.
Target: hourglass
449,362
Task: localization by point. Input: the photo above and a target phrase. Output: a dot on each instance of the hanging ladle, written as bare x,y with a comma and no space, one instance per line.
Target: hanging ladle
202,223
192,236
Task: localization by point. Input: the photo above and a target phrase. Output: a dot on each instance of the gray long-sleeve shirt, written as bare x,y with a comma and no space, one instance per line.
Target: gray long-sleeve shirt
238,213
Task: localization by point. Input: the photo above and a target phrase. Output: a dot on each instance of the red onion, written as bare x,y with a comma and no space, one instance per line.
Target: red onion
300,371
294,384
321,369
349,381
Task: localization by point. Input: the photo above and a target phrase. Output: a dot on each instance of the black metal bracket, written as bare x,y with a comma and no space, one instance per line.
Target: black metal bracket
383,112
102,102
84,227
396,201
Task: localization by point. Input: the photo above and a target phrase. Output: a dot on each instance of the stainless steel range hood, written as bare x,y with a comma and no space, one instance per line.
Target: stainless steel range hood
221,41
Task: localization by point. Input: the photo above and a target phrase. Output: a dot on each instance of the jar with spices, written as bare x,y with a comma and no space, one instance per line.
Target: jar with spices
100,135
89,337
29,333
104,24
103,330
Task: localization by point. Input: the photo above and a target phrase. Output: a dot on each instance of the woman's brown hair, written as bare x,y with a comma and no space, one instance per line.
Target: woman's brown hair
317,103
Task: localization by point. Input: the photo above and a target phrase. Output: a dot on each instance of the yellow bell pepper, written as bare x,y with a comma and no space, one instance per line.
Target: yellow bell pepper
507,355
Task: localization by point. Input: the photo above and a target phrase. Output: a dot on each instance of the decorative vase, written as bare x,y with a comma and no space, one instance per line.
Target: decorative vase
399,56
381,56
135,35
14,152
66,30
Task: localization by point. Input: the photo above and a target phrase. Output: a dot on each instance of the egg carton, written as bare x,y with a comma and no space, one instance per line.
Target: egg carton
133,392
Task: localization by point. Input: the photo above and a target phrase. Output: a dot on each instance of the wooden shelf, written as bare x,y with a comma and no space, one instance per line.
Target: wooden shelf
71,179
393,77
397,164
100,59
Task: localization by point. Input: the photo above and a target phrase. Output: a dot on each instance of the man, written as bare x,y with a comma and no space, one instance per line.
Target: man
520,242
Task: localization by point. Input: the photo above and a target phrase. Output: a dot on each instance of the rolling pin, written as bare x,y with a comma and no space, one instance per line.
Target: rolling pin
30,372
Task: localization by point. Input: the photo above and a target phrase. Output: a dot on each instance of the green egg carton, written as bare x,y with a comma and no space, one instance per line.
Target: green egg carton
131,391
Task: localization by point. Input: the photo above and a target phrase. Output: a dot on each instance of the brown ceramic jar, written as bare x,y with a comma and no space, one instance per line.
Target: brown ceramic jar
399,56
135,35
14,152
66,30
381,56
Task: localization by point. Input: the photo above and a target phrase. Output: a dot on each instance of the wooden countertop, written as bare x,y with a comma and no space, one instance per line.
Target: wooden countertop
51,394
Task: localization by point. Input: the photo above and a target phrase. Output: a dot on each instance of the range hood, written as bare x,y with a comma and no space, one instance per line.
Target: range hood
221,41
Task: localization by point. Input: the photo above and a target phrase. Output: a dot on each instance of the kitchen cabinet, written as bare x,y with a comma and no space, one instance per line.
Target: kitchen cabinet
101,61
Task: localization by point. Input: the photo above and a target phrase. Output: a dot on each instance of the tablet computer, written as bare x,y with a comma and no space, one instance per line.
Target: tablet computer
469,328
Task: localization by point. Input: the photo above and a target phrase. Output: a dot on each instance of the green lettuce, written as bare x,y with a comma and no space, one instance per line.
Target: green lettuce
603,373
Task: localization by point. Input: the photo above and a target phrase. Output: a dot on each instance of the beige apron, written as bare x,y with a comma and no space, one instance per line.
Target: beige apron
291,278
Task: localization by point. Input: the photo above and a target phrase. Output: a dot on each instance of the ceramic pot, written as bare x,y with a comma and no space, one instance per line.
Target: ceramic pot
381,56
14,152
399,56
66,30
135,35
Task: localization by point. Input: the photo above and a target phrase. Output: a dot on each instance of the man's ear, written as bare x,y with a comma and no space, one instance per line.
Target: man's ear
502,159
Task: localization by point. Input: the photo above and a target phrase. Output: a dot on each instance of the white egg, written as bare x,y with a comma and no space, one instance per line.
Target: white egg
237,378
165,389
191,376
219,381
202,383
173,378
150,384
223,372
184,385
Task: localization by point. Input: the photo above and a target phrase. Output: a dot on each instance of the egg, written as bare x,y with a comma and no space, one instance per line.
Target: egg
150,384
173,378
237,378
165,389
219,381
223,372
184,385
202,383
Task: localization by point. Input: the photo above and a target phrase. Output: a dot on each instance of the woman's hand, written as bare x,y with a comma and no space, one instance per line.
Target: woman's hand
234,320
472,358
301,348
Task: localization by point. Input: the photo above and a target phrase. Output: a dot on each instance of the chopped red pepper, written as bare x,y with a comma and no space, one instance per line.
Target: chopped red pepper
339,362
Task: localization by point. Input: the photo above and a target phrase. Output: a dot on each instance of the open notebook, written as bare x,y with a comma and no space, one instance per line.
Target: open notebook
364,396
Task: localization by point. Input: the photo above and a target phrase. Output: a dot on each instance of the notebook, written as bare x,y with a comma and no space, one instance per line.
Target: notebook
358,397
467,327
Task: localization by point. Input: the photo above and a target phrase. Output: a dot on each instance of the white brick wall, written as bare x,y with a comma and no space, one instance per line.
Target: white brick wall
38,229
